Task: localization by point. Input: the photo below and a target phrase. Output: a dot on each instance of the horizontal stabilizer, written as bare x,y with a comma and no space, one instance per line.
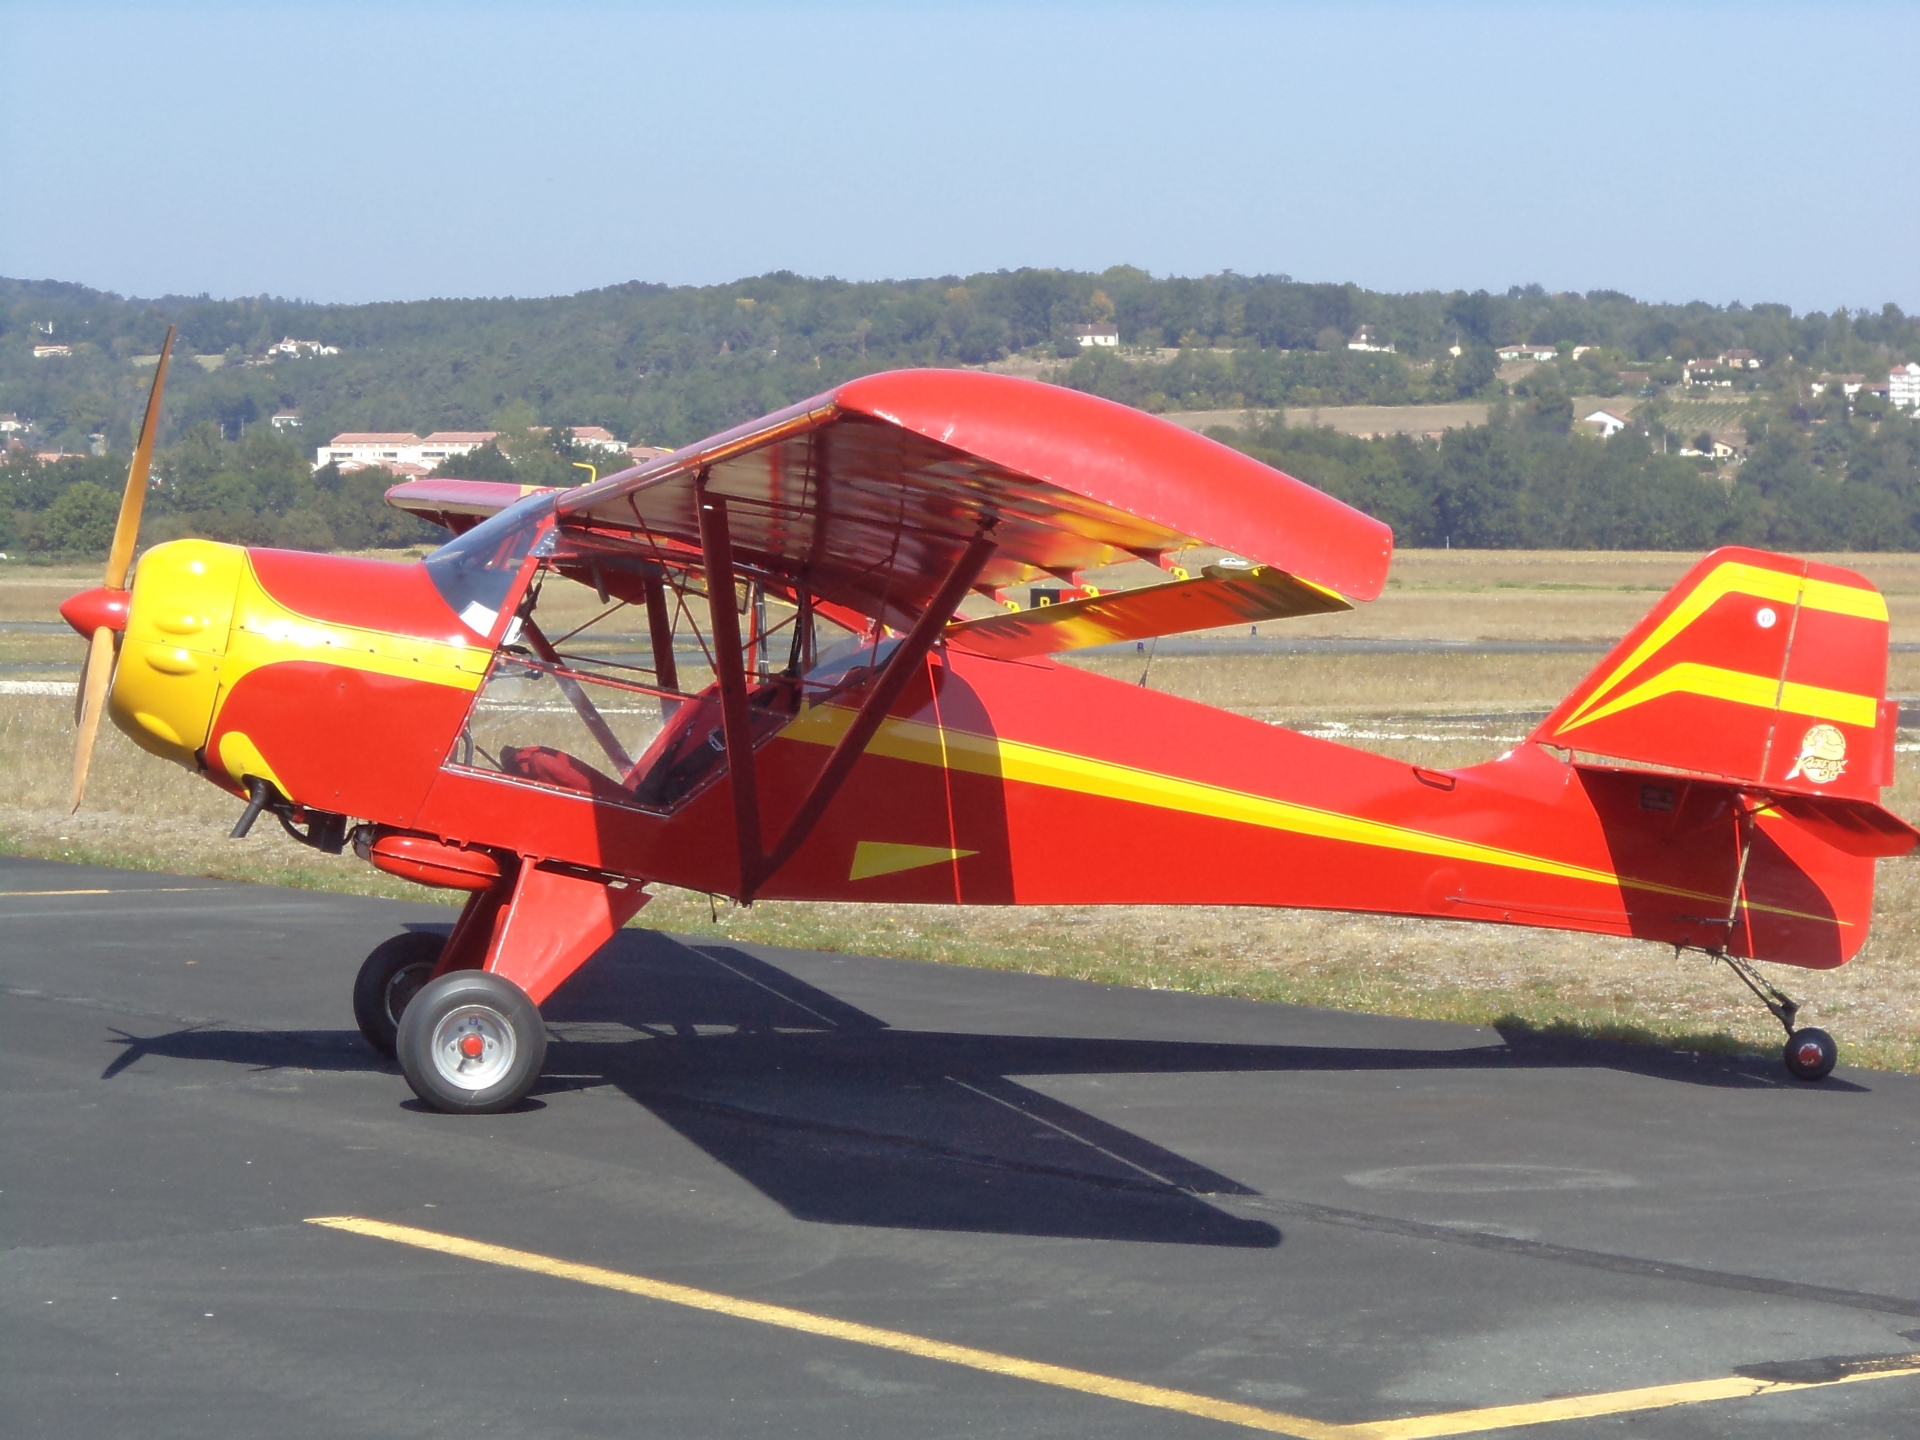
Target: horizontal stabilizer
1222,595
1853,826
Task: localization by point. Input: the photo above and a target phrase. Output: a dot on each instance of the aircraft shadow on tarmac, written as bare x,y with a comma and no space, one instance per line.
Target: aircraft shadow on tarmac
842,1119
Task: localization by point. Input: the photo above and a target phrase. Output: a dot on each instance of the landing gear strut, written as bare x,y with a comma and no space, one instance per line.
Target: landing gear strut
1810,1052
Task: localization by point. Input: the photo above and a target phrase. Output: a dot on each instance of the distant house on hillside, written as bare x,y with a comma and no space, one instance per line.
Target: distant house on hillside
1640,382
597,438
50,351
1091,335
286,420
1366,338
1903,387
11,424
291,346
357,449
1740,360
1607,423
1525,350
1704,372
1849,384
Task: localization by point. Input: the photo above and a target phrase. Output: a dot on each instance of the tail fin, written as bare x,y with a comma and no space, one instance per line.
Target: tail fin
1758,668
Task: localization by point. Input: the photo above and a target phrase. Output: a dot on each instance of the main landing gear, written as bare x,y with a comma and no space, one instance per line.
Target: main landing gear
1810,1052
469,1043
462,1015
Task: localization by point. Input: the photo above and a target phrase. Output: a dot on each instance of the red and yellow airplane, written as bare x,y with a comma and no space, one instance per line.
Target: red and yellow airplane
1714,784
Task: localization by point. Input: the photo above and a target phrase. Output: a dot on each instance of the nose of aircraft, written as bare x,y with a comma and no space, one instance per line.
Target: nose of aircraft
176,623
96,609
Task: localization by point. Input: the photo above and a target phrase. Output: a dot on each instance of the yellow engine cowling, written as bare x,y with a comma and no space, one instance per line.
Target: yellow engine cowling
168,675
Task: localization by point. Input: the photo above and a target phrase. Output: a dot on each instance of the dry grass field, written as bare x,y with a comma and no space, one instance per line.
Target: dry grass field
1434,709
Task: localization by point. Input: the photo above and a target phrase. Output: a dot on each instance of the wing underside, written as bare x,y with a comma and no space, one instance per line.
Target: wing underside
866,498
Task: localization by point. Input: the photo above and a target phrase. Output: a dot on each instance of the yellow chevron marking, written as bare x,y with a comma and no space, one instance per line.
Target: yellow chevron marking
1012,760
1688,678
876,857
1738,578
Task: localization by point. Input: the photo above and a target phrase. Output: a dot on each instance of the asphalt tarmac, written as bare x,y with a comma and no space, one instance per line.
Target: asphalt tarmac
830,1195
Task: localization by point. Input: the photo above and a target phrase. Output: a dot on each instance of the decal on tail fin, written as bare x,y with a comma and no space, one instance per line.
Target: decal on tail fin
1761,668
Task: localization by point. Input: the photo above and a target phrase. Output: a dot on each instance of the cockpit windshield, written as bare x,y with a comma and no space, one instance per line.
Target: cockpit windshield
475,572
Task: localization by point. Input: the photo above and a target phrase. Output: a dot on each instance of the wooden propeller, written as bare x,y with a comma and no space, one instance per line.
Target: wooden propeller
96,671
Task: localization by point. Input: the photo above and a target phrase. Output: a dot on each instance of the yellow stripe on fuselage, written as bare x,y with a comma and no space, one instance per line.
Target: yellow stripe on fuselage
267,632
1013,760
1737,578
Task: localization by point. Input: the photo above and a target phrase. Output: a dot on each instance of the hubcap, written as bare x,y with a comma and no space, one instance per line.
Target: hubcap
473,1047
404,985
1810,1055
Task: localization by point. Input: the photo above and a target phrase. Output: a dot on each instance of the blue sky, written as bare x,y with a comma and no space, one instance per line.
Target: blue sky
344,152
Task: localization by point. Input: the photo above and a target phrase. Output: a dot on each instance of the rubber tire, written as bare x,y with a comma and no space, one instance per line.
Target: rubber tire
373,987
1816,1068
511,1007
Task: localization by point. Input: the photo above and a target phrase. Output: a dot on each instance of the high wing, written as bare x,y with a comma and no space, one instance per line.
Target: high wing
868,496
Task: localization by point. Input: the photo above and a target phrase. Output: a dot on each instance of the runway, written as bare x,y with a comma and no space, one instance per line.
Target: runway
776,1193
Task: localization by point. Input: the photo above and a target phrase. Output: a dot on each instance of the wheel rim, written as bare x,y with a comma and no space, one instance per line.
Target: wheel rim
403,986
1811,1055
473,1047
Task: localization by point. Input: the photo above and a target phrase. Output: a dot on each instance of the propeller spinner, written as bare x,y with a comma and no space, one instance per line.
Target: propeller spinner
101,614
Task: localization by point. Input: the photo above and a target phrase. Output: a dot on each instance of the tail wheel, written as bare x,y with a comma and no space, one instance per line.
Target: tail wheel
472,1043
1811,1054
389,979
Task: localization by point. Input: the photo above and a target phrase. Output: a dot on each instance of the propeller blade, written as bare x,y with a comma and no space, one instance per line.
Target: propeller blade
94,681
126,530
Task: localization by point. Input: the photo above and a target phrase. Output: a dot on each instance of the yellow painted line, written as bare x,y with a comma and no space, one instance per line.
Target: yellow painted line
1615,1402
807,1323
1228,1412
147,890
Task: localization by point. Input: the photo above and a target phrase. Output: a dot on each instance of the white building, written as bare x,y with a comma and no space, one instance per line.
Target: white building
355,449
1091,335
46,352
11,424
1526,350
291,346
1365,338
443,444
286,420
1903,387
1607,423
597,438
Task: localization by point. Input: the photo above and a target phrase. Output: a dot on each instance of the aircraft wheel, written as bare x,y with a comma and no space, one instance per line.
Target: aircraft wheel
390,977
472,1043
1811,1054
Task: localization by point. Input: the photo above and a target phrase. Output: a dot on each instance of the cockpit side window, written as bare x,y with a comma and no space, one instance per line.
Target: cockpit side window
475,572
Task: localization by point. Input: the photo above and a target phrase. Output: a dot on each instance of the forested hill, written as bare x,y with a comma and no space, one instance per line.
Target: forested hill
665,365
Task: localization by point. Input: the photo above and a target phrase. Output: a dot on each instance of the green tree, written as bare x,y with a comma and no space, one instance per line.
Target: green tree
79,522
